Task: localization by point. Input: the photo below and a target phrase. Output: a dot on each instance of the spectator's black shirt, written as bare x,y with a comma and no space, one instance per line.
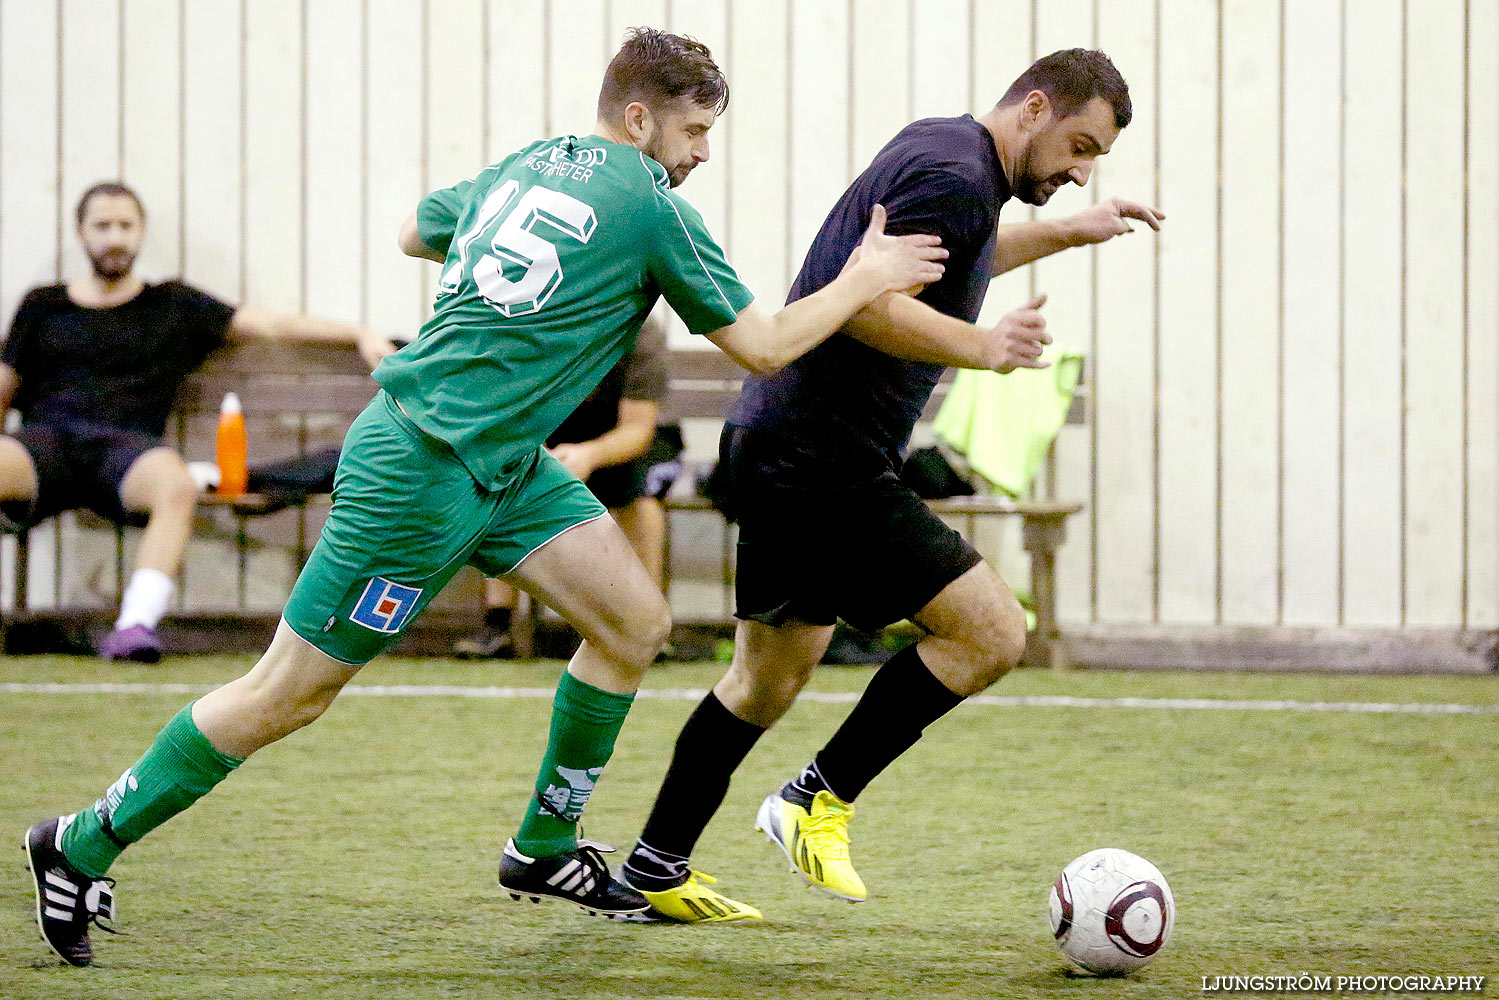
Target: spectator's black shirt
850,403
639,375
118,367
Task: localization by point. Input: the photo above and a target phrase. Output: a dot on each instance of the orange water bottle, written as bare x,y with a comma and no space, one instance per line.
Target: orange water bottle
232,448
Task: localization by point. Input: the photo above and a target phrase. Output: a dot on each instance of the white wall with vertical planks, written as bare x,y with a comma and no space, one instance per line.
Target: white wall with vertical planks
393,140
1309,241
1435,339
1250,145
275,190
1481,294
1294,390
1372,255
1188,281
1124,362
151,130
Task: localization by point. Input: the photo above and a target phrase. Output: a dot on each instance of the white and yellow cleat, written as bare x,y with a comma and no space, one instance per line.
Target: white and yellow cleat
692,902
815,841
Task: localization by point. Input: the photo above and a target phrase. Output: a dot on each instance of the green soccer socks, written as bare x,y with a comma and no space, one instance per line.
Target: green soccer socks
178,769
585,722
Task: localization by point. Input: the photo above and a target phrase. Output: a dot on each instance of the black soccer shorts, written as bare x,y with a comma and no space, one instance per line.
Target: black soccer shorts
820,539
78,466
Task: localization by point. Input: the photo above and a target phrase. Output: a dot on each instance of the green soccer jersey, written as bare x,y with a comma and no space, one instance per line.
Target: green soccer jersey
554,257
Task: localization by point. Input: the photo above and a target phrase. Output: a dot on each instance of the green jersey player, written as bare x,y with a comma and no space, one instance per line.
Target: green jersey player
551,260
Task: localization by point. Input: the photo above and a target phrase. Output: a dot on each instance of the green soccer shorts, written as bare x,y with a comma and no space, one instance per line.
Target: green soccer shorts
406,516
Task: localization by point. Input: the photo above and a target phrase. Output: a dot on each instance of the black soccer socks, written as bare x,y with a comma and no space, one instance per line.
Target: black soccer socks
902,699
711,745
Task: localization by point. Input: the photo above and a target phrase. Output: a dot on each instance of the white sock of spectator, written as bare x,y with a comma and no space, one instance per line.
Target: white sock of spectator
145,599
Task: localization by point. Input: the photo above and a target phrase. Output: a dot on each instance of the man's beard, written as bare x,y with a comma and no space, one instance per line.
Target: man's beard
653,150
1035,190
112,265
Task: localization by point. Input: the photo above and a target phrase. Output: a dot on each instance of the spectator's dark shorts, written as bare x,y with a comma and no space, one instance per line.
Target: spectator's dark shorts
78,466
818,542
618,486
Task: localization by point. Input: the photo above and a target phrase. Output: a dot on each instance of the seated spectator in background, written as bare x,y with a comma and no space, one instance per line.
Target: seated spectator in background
603,443
94,367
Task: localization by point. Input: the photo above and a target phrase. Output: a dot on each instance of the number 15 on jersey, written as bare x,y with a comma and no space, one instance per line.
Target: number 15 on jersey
515,241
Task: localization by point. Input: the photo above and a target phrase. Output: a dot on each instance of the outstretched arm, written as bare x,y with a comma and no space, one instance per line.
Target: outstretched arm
1023,242
252,323
880,264
907,328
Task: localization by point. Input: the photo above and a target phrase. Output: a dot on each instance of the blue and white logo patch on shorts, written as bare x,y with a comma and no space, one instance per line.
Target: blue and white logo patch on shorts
384,606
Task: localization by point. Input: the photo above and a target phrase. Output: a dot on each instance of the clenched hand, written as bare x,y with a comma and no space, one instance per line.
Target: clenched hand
1018,339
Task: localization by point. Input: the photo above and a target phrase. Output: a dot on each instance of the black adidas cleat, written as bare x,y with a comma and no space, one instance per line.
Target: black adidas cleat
67,901
580,877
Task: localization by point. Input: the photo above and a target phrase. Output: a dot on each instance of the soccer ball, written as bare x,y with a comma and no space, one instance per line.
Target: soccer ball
1111,911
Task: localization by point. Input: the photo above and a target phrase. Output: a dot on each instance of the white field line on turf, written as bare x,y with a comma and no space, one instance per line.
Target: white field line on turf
831,697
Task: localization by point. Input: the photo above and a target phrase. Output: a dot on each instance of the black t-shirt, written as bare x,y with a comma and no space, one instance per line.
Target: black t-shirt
639,375
844,401
117,367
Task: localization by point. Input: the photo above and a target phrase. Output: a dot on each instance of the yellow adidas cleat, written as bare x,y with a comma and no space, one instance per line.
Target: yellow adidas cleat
692,902
814,841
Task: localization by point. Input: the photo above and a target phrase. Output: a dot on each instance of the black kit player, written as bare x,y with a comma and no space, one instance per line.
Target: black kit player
827,530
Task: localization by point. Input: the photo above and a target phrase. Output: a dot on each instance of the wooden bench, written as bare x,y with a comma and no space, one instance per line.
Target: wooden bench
298,398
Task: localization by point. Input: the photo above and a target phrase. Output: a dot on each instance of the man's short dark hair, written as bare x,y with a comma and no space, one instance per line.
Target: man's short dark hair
112,188
655,67
1070,79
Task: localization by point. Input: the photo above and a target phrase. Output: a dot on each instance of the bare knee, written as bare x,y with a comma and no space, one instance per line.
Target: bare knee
980,654
977,631
1011,643
637,641
17,471
289,709
176,493
158,482
762,693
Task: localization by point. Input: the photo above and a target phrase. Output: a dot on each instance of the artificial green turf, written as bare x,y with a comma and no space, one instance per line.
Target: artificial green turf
357,858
